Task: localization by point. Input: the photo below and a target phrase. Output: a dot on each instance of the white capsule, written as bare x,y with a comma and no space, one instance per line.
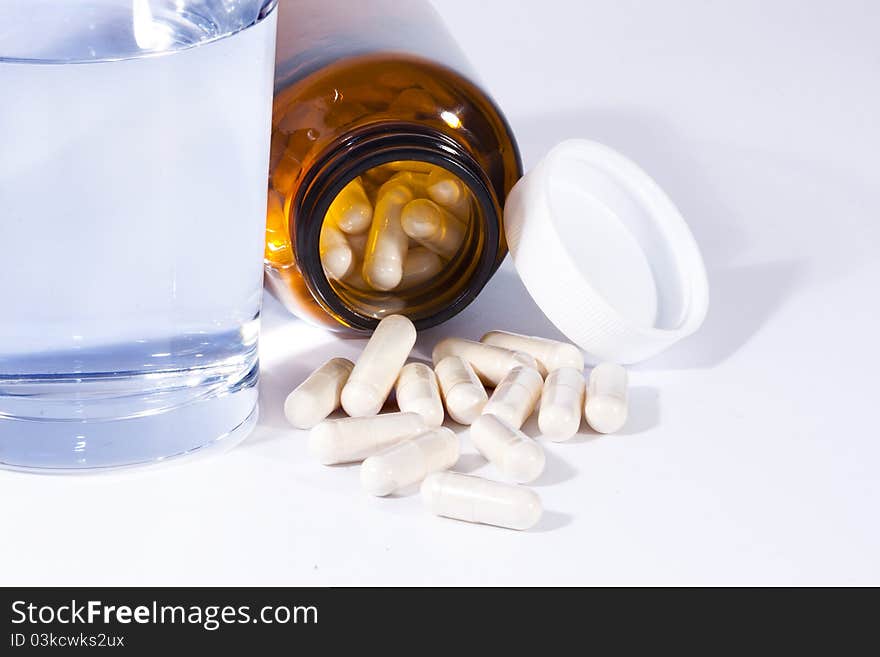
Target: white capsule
432,227
490,363
447,190
474,499
387,243
562,399
409,462
463,394
417,392
420,265
351,209
378,367
318,396
336,254
352,439
606,407
550,354
516,396
516,455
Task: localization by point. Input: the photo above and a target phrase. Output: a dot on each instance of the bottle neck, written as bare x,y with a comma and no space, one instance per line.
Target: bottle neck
362,150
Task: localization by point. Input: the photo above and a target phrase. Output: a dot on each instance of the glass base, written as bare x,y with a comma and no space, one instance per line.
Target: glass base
72,447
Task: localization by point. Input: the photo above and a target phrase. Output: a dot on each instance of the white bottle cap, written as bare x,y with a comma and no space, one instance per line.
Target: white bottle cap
605,254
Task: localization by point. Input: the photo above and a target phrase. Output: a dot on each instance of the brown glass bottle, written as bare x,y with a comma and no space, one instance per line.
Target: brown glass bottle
373,99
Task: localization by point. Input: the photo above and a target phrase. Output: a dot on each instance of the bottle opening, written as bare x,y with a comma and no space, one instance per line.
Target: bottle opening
403,237
337,247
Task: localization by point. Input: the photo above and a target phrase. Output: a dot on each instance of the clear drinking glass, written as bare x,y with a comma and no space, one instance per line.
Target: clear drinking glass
134,145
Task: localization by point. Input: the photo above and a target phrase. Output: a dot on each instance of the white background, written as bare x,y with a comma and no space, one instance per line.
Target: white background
753,453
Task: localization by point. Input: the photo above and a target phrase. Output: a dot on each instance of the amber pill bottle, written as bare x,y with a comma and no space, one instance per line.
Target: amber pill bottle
372,96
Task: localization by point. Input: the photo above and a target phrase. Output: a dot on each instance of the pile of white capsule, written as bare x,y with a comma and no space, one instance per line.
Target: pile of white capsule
411,446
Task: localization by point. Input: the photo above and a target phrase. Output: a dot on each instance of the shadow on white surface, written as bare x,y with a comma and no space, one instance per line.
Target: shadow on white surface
551,521
503,304
742,298
585,435
659,149
644,411
644,415
556,470
412,490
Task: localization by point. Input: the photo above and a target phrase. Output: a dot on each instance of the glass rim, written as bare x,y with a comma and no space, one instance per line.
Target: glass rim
268,8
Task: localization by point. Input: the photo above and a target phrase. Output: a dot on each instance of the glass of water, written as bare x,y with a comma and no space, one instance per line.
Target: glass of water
134,145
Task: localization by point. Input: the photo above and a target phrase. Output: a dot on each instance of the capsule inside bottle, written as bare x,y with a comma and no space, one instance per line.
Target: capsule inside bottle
387,242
